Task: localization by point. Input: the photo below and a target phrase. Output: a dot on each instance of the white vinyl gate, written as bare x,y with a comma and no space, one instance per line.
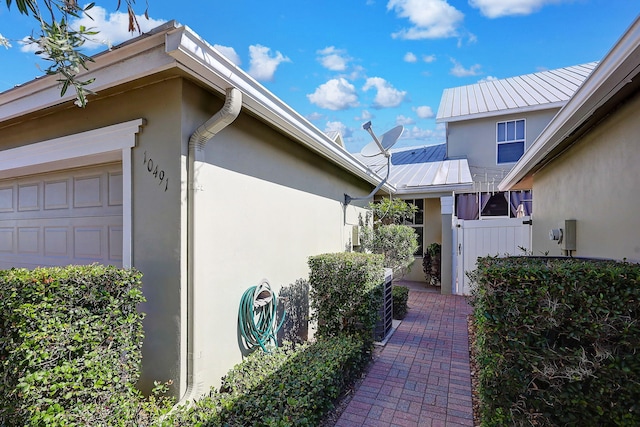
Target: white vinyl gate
495,237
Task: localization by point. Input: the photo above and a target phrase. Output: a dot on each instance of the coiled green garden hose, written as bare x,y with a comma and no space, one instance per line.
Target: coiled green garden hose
257,317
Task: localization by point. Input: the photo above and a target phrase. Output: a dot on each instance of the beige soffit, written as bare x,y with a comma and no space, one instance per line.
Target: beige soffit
174,46
615,71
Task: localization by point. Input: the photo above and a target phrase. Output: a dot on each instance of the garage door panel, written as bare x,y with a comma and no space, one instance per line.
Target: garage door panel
74,217
115,197
56,242
87,192
28,197
6,199
56,195
6,239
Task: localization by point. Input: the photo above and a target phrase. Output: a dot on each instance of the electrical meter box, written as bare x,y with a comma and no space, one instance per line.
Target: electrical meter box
568,235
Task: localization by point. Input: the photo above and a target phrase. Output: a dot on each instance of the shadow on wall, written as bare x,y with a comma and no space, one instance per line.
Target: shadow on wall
294,299
291,323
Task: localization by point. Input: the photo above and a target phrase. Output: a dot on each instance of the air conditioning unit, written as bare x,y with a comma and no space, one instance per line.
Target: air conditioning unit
385,313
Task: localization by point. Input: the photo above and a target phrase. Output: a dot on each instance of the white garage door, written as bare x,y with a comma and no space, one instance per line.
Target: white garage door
61,218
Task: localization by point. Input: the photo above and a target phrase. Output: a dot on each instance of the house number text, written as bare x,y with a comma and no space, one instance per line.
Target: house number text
157,173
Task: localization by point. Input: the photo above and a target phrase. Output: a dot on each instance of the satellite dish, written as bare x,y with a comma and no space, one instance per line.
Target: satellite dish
376,146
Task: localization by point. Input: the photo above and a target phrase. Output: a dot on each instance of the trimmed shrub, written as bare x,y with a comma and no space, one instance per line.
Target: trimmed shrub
398,244
400,296
284,388
70,346
346,293
557,341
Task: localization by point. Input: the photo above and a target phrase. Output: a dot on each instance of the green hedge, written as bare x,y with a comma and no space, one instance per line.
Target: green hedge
70,346
346,293
400,295
557,341
284,388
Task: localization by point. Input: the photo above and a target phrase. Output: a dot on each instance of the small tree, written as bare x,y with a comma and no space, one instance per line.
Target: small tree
60,44
397,242
392,211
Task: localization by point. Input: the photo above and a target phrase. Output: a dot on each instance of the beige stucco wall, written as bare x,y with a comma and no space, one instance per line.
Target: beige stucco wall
596,183
475,139
268,204
265,205
157,223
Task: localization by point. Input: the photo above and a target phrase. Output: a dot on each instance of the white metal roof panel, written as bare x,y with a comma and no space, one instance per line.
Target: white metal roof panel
422,169
539,90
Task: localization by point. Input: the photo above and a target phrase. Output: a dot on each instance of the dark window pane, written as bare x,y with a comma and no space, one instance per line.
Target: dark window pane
510,152
496,206
520,129
420,232
501,131
511,131
419,216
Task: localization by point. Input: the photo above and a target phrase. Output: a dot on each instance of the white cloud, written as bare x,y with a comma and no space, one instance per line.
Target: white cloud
429,58
345,131
336,94
333,59
315,116
459,71
424,112
364,116
113,28
410,57
498,8
229,53
430,19
429,136
263,64
387,95
487,79
404,121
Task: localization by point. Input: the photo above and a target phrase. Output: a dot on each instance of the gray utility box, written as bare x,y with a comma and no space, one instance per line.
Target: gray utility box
385,313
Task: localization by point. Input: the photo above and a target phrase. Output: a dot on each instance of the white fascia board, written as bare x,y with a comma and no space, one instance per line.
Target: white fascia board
95,146
208,65
433,189
125,63
611,74
500,113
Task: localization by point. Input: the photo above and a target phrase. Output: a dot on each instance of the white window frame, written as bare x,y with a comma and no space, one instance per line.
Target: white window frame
508,141
103,145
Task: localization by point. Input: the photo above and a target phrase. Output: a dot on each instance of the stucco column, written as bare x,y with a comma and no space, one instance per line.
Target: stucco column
446,210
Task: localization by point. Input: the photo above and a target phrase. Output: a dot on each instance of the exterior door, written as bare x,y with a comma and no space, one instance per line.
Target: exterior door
61,218
495,237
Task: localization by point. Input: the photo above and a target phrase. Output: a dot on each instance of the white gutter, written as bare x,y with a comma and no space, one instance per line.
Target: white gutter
197,142
203,61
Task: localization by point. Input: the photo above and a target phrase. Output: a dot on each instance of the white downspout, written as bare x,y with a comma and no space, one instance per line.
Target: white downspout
197,142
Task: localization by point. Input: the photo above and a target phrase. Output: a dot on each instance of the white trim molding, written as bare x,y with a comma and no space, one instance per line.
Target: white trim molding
103,145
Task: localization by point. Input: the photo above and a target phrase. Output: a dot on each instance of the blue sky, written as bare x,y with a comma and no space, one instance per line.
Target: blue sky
342,63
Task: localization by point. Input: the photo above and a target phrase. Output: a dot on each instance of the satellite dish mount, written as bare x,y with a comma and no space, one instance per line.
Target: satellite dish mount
376,148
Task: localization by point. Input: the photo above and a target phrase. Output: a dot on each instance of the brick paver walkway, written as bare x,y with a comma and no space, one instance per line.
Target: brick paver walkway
422,376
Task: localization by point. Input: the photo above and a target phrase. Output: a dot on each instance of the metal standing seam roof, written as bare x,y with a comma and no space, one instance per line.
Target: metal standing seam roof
545,89
421,169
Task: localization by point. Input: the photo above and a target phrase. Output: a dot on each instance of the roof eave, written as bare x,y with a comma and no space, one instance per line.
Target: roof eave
124,63
500,113
207,64
432,189
609,76
176,46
